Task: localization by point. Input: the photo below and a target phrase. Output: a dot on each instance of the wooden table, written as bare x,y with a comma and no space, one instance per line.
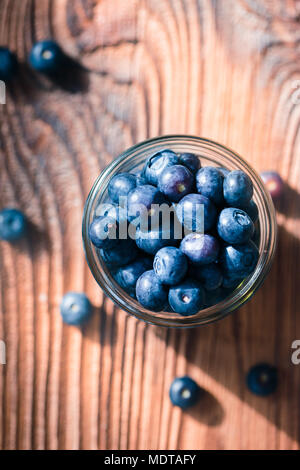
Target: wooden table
226,70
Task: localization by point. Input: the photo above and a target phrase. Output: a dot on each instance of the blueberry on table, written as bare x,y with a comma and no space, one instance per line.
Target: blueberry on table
262,379
235,226
273,183
187,298
157,163
200,248
153,240
120,186
237,189
170,265
184,392
150,292
46,57
75,308
209,182
189,212
190,160
8,64
210,275
12,224
141,199
239,261
252,210
127,276
122,253
175,182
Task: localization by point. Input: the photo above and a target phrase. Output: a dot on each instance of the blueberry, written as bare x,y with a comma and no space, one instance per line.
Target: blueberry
187,298
106,229
209,182
175,182
273,182
150,292
120,186
8,64
213,297
46,57
235,226
141,199
230,282
262,379
200,248
157,163
252,210
223,171
122,253
170,265
184,392
127,276
191,161
237,189
239,261
12,224
153,240
209,275
189,213
75,308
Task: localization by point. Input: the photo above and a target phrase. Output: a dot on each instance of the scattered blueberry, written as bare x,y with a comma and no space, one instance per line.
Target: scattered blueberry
122,253
187,298
150,292
191,161
175,182
189,212
262,379
75,308
46,57
273,182
141,199
12,224
170,265
235,226
209,182
237,188
200,248
184,392
239,261
128,275
8,64
209,275
120,186
157,163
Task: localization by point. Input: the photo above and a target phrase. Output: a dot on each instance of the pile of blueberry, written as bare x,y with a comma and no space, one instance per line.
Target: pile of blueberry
179,275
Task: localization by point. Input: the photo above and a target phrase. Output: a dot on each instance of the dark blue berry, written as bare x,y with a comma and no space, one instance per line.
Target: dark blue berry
196,213
230,282
8,64
237,189
235,226
209,182
122,253
262,379
239,261
157,163
127,276
273,182
187,298
184,392
210,276
252,210
223,171
120,186
141,199
106,229
46,57
175,182
191,161
153,240
12,224
213,297
200,248
170,265
75,308
150,292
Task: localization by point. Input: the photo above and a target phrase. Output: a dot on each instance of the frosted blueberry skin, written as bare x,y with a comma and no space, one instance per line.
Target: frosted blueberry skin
157,163
210,276
75,308
262,379
150,292
239,261
186,211
237,189
8,64
184,392
170,265
46,57
122,253
13,224
209,182
187,298
175,182
273,182
140,200
252,210
200,248
153,240
191,161
127,276
120,186
235,226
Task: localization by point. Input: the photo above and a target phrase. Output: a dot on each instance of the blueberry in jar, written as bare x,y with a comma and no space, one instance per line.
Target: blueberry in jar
262,379
150,292
252,210
12,224
200,248
184,392
239,261
157,163
175,182
121,185
46,57
223,171
8,64
187,298
106,229
127,276
191,161
120,254
170,265
75,308
237,189
154,239
209,182
189,212
230,282
210,275
141,200
235,226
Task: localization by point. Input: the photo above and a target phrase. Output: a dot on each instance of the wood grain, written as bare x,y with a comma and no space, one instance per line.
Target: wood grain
216,68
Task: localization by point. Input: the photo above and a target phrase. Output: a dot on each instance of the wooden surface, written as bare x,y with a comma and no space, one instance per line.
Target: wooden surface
223,69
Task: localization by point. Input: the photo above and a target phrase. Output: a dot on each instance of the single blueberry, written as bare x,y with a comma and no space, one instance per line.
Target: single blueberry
209,182
122,253
273,182
262,379
184,392
127,276
191,161
200,248
170,265
8,64
209,275
239,261
237,189
235,226
175,182
153,240
46,57
157,163
252,210
12,224
196,213
144,201
106,229
75,308
187,298
120,186
150,292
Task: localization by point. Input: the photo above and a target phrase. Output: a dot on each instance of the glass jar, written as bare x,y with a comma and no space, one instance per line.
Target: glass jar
210,153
